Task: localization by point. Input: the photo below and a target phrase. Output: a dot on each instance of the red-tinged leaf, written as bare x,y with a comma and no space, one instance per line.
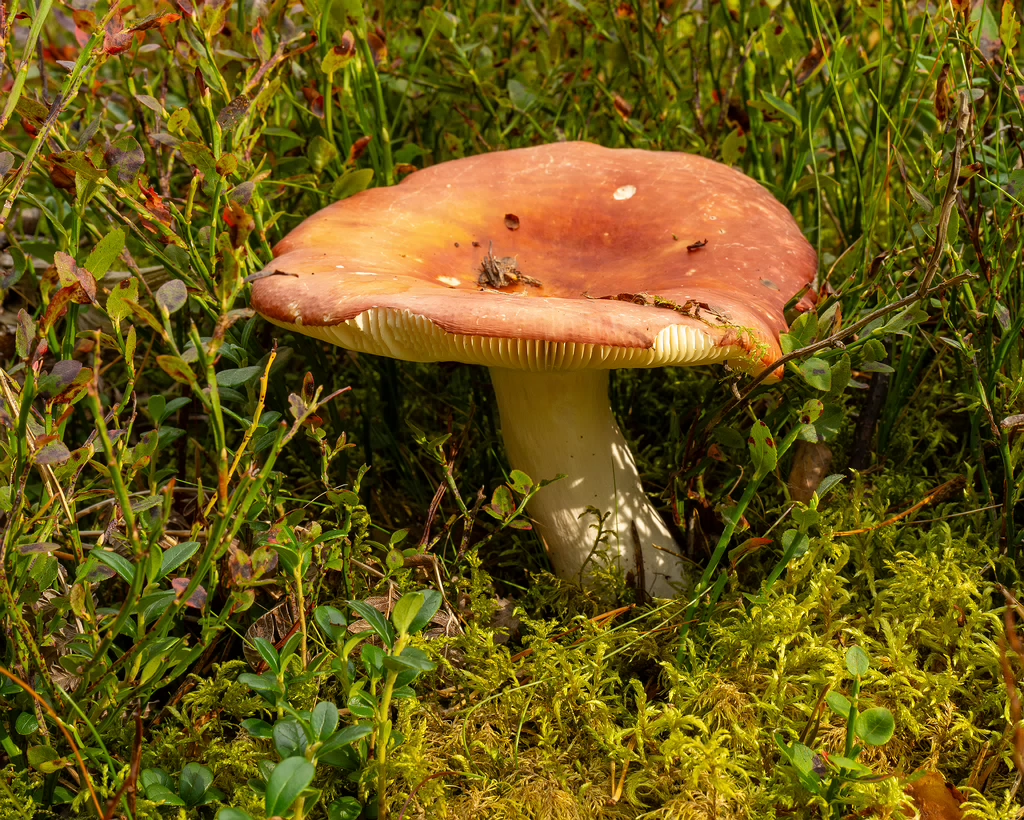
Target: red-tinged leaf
155,205
358,149
232,113
62,177
240,223
308,388
186,7
53,453
143,314
85,25
58,306
124,158
943,100
116,39
242,193
259,39
239,566
59,378
315,100
56,55
25,334
156,21
197,599
378,46
176,368
341,55
200,82
71,275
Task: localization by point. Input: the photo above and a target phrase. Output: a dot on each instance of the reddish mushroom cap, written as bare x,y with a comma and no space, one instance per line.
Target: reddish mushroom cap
640,258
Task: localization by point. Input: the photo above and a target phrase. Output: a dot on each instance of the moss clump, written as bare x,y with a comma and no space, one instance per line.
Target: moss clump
602,723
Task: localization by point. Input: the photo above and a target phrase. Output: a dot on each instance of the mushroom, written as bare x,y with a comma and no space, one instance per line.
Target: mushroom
553,266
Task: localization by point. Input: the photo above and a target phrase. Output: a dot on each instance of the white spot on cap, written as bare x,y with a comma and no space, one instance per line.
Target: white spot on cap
625,192
450,281
362,273
340,267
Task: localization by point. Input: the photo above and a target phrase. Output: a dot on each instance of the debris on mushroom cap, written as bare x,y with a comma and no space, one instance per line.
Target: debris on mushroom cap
591,223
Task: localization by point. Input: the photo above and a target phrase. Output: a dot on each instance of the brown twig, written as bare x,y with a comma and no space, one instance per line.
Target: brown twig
1012,692
963,122
130,781
67,735
423,782
600,620
925,289
834,341
934,497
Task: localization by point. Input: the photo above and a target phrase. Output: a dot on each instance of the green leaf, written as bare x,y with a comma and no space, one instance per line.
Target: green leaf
194,781
104,254
347,808
411,658
827,483
290,738
431,603
45,759
350,734
233,814
378,623
361,704
839,704
795,543
258,728
321,153
324,720
121,565
1009,33
332,621
352,183
286,783
520,482
841,372
238,376
405,611
154,777
816,373
857,661
875,726
782,107
176,556
171,296
161,794
269,654
851,765
763,451
265,684
502,502
521,96
26,723
373,660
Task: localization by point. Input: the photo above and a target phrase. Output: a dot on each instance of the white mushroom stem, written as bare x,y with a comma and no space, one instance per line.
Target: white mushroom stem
562,422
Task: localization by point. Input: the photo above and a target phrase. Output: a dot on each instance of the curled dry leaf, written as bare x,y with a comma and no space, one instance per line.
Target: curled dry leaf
934,799
198,598
811,463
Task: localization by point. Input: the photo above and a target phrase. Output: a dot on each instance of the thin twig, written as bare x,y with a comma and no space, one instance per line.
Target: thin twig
934,497
963,121
925,290
835,339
